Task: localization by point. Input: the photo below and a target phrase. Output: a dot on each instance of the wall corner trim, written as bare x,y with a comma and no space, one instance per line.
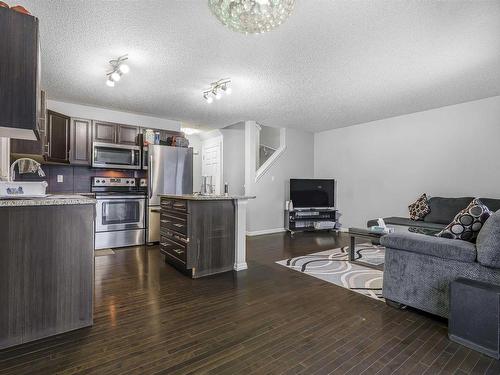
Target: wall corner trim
265,231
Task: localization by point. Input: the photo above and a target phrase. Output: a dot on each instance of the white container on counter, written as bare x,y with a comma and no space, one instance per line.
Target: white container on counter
23,189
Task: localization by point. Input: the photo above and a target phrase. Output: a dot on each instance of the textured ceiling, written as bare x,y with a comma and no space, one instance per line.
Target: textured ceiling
332,64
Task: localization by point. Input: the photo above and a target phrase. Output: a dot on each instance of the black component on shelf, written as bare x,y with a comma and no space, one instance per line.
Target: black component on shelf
305,219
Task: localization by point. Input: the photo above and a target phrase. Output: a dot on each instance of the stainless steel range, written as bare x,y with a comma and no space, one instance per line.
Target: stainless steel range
120,212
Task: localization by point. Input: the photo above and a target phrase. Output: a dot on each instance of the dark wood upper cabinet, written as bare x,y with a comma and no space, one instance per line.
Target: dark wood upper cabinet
127,135
19,75
58,137
81,141
38,147
105,132
108,132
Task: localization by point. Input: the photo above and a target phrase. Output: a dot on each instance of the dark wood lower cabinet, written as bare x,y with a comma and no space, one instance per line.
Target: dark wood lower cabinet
46,271
197,236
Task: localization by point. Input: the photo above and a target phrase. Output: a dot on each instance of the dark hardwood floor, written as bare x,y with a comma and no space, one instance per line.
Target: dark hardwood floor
151,319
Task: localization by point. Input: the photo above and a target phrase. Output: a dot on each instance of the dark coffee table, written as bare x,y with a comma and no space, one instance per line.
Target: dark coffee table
364,234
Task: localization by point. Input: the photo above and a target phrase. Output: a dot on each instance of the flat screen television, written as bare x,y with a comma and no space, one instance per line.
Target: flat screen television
312,193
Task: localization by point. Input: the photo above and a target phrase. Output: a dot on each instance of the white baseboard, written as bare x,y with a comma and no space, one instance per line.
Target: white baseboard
265,231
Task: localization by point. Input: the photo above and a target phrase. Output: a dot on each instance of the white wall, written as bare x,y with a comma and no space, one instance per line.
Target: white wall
266,212
233,170
382,166
103,114
4,158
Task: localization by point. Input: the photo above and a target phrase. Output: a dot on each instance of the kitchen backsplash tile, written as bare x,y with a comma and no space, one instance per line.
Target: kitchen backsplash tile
66,184
81,179
75,179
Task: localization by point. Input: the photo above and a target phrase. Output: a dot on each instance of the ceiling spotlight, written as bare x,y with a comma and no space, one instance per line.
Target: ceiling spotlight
217,94
227,89
207,97
115,76
110,82
124,68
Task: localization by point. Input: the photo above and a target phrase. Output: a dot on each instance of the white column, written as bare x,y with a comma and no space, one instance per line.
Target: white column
240,259
4,158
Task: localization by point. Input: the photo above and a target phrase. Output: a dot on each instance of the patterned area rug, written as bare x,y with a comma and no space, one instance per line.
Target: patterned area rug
332,266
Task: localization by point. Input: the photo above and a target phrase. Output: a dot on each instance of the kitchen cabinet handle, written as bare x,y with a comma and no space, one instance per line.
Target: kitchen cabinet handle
150,176
178,251
178,225
165,221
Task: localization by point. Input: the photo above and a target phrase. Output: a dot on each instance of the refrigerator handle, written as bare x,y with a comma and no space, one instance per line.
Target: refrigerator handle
150,175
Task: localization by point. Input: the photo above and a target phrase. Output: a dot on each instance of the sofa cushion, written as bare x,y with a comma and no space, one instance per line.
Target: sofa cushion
488,242
492,204
419,208
404,221
467,223
443,210
445,248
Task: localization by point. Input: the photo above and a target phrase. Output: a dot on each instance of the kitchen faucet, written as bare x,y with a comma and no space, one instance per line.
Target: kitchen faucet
28,166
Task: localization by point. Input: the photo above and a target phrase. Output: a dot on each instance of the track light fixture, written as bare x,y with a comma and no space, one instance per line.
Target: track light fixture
208,98
217,89
119,68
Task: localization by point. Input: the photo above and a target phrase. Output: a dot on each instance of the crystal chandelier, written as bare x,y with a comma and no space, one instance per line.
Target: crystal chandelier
251,16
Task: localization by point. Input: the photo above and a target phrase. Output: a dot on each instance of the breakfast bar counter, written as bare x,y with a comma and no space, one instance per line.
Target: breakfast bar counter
204,234
46,267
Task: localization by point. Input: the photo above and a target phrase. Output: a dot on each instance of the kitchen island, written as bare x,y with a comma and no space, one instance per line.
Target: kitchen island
46,266
204,234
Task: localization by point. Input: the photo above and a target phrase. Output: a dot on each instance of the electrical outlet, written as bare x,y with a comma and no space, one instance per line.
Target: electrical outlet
60,178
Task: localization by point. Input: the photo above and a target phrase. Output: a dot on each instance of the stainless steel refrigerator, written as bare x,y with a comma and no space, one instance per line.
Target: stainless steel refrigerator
170,171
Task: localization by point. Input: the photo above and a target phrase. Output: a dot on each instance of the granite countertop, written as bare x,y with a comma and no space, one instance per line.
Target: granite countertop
197,197
49,200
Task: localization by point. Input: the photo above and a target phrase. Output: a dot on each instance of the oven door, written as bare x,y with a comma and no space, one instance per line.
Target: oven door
120,213
108,155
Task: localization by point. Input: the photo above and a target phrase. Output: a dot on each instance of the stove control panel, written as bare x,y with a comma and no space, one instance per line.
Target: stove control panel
113,181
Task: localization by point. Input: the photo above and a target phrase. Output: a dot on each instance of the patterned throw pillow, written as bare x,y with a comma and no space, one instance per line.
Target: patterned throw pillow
467,223
420,208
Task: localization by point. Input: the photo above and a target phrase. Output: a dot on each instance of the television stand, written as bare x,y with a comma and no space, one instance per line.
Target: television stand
307,219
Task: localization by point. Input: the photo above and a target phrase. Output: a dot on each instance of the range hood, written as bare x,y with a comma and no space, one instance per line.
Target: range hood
20,133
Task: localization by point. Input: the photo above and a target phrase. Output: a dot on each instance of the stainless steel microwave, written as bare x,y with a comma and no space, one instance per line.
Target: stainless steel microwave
110,155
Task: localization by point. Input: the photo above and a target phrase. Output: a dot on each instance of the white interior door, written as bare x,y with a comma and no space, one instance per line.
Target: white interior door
211,164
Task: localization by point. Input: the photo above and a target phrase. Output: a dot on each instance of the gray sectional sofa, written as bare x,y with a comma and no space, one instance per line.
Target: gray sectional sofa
418,268
443,210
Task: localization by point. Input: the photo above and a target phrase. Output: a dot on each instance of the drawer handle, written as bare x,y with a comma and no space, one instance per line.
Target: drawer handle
178,225
165,221
178,251
178,205
180,239
163,244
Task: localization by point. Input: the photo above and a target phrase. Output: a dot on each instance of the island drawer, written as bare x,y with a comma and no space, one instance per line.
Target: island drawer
174,204
172,248
175,221
174,235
